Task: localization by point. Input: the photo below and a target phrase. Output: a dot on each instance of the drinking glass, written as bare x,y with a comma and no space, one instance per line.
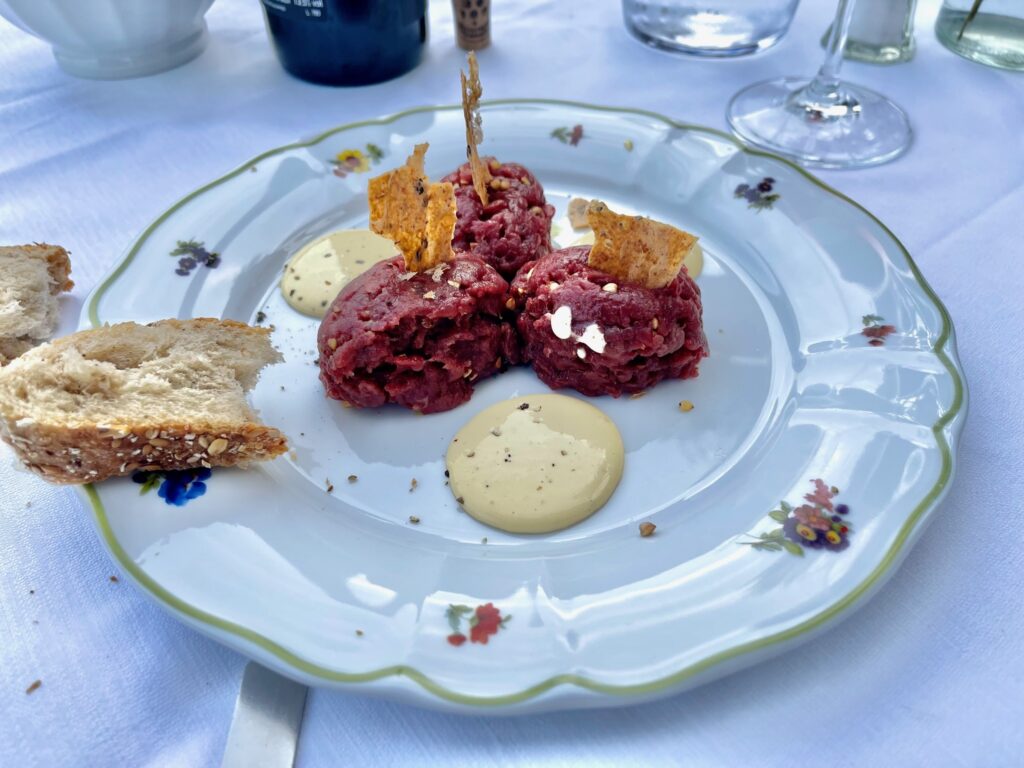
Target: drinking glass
989,32
823,122
709,27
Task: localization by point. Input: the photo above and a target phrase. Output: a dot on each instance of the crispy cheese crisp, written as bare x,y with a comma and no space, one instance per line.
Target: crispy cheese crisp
419,217
472,90
636,249
440,226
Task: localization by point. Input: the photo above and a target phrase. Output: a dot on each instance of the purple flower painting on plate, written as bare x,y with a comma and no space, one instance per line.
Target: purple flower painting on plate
759,196
192,254
818,523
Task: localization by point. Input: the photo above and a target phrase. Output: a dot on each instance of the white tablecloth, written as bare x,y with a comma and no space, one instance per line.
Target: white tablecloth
930,672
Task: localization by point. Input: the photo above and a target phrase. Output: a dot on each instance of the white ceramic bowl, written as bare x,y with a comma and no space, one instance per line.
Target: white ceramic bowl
108,39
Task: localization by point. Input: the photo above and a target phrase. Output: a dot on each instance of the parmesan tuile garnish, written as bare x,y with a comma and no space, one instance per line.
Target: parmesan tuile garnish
472,90
636,249
419,217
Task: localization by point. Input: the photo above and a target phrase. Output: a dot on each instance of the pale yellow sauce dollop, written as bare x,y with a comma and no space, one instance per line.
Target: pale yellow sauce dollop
694,260
536,463
313,277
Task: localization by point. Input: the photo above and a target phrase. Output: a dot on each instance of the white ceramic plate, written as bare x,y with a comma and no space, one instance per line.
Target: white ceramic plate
340,589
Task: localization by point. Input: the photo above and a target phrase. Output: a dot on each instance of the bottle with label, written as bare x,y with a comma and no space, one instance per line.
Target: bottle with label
472,24
347,42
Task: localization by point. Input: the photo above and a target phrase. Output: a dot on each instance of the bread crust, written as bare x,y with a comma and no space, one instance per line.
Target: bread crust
198,324
91,451
58,265
10,348
87,454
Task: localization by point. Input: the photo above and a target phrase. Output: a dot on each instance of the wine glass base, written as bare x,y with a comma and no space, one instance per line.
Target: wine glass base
858,129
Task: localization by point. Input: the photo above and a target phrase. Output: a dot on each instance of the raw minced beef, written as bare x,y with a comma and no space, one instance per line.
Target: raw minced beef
648,334
513,228
420,340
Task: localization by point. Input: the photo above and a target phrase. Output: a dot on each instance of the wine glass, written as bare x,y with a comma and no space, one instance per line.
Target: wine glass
824,122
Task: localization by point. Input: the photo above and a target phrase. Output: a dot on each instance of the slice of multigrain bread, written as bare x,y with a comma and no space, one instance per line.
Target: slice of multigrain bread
168,395
31,277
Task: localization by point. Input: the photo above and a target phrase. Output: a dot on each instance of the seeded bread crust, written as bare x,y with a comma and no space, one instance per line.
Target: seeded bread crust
94,453
90,452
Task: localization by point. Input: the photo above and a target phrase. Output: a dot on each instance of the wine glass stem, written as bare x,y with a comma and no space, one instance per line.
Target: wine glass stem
824,90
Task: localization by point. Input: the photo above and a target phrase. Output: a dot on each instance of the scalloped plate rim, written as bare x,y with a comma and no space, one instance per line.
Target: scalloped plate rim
946,430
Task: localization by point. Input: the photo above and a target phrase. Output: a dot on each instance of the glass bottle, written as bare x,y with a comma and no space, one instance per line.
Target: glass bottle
987,31
881,32
347,42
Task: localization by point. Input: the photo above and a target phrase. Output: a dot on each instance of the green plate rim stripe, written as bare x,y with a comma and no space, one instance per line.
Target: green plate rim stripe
814,622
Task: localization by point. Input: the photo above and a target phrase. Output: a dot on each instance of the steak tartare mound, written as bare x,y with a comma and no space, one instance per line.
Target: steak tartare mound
515,225
418,339
582,328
